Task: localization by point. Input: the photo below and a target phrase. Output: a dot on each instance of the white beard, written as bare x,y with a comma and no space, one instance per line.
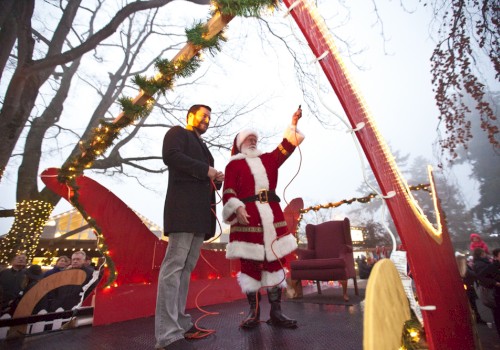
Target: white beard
251,153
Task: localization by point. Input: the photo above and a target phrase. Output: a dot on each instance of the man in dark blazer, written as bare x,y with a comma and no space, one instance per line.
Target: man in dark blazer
189,219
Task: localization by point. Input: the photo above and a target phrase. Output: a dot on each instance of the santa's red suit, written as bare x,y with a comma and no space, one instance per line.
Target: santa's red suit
250,181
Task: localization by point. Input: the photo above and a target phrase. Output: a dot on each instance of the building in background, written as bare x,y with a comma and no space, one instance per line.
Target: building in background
68,232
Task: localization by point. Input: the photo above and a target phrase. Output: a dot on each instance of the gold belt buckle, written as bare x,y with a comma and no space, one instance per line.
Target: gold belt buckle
263,196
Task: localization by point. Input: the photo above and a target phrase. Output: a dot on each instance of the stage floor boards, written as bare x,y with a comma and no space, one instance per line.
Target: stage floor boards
320,326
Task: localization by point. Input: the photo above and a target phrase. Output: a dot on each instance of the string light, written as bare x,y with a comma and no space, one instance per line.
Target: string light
364,200
30,217
413,336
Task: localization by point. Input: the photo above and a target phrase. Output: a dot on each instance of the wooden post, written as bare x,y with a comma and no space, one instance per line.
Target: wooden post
217,23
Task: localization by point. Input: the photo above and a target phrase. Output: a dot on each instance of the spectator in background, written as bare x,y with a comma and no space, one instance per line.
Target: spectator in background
61,264
469,279
496,257
363,267
496,312
67,297
12,281
34,274
89,263
477,242
488,275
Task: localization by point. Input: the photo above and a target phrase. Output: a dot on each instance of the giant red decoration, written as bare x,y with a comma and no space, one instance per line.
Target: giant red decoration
432,262
137,254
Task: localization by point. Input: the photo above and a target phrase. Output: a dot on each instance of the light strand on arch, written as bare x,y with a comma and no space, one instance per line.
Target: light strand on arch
364,200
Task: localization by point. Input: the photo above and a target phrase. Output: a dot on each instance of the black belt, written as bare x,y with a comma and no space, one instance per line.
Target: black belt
263,196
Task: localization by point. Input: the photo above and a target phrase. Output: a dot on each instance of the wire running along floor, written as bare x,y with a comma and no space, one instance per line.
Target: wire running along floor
320,326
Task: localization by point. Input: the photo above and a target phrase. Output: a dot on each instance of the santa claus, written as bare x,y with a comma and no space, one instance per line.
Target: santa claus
259,235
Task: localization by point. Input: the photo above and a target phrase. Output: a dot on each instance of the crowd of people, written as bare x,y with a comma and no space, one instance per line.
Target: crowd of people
480,272
18,279
365,266
483,274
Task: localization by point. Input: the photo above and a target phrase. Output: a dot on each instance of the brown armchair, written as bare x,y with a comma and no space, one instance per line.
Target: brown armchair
328,257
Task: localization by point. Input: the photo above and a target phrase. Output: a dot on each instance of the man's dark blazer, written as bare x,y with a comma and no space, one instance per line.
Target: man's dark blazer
190,196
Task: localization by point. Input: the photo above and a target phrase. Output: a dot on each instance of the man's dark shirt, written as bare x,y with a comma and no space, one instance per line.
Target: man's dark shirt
11,284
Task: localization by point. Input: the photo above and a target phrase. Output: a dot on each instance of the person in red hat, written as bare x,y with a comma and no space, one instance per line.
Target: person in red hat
477,242
259,235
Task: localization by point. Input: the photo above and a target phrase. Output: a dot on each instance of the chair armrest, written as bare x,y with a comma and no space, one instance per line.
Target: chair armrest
345,250
305,254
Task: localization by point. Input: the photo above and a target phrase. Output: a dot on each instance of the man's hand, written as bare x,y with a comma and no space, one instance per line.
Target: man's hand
296,116
212,173
219,177
242,216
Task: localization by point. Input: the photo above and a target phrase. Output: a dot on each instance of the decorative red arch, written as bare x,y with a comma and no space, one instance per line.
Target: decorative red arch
430,252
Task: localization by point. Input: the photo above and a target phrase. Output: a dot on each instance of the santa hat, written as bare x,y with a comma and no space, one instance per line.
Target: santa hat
238,140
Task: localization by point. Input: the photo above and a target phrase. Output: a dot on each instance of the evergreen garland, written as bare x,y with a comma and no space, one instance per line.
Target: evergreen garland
244,8
196,36
364,200
132,112
413,336
180,68
151,86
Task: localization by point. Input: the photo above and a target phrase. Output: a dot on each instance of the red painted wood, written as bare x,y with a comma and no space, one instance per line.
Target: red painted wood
433,265
292,213
137,254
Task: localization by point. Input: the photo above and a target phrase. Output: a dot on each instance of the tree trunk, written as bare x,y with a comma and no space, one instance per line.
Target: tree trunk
8,32
30,75
26,82
27,177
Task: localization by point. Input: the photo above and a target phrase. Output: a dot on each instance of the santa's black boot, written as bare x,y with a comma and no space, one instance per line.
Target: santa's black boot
277,317
253,318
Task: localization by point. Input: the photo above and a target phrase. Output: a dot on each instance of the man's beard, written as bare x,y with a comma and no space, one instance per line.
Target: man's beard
201,129
251,153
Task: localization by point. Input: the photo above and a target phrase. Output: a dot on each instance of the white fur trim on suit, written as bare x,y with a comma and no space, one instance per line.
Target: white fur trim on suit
293,135
230,208
271,279
247,283
256,153
274,249
245,250
266,214
267,218
259,173
281,247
